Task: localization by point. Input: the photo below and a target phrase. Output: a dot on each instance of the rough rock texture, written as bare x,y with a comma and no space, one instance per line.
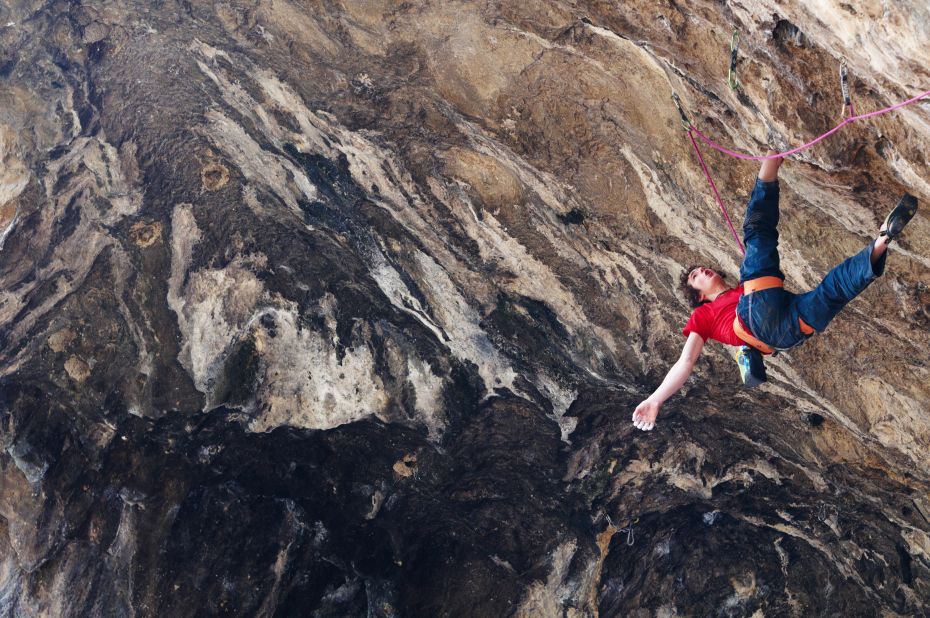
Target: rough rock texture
328,308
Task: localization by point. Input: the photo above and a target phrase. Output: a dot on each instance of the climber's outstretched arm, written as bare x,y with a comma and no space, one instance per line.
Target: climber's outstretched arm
645,415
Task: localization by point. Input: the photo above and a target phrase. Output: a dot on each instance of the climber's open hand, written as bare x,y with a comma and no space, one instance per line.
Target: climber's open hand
644,417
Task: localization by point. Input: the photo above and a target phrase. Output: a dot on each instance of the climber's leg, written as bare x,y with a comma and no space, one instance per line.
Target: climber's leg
760,227
846,281
853,275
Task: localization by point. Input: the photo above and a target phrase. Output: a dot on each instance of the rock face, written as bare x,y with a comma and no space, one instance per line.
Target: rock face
330,308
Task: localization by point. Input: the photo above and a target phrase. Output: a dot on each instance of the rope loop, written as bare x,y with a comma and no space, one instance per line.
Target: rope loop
630,538
692,131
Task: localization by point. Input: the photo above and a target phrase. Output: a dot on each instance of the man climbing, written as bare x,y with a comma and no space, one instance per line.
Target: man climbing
759,314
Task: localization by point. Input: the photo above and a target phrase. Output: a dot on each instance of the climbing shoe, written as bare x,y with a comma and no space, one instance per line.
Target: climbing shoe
898,218
751,367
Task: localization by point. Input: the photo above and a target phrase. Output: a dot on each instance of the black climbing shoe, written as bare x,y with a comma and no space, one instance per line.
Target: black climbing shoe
898,218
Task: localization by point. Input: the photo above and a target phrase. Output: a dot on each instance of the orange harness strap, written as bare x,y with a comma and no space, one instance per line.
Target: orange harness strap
747,338
762,283
757,285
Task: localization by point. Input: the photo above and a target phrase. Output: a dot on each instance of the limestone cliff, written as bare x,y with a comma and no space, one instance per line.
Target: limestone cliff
324,308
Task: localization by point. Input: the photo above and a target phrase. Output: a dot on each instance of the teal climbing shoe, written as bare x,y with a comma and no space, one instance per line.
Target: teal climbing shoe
751,367
899,217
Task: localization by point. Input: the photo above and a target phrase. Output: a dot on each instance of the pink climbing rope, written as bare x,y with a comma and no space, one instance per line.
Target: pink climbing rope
716,193
787,153
692,131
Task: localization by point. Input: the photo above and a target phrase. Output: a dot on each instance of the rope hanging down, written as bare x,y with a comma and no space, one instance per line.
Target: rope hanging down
692,131
687,124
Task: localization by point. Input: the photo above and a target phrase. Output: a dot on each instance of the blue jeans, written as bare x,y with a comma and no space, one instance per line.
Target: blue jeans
772,315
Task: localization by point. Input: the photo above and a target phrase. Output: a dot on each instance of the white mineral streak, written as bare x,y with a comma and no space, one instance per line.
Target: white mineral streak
218,305
895,419
391,284
213,308
145,356
255,163
561,399
680,219
427,387
184,235
302,380
839,554
547,598
462,325
259,165
93,170
14,178
369,164
305,384
6,231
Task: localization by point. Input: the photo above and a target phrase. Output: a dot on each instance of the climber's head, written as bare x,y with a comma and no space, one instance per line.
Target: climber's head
699,282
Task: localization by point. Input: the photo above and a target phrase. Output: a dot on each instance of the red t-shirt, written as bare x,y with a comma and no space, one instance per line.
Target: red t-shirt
714,320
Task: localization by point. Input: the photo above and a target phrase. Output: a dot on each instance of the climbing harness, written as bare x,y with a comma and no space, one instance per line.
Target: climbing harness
731,73
852,117
757,285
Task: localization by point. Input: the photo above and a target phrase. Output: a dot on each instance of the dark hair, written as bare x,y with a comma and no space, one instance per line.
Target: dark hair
691,295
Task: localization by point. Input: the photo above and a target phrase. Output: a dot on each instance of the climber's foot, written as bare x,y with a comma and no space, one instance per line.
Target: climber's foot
769,170
899,217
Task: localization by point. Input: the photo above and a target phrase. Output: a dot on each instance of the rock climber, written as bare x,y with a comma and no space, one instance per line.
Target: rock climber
758,313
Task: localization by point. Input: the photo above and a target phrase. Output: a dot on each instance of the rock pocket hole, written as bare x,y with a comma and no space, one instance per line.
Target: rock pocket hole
145,234
572,217
813,419
214,176
785,32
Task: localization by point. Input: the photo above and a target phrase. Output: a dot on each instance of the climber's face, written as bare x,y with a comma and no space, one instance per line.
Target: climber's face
704,280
